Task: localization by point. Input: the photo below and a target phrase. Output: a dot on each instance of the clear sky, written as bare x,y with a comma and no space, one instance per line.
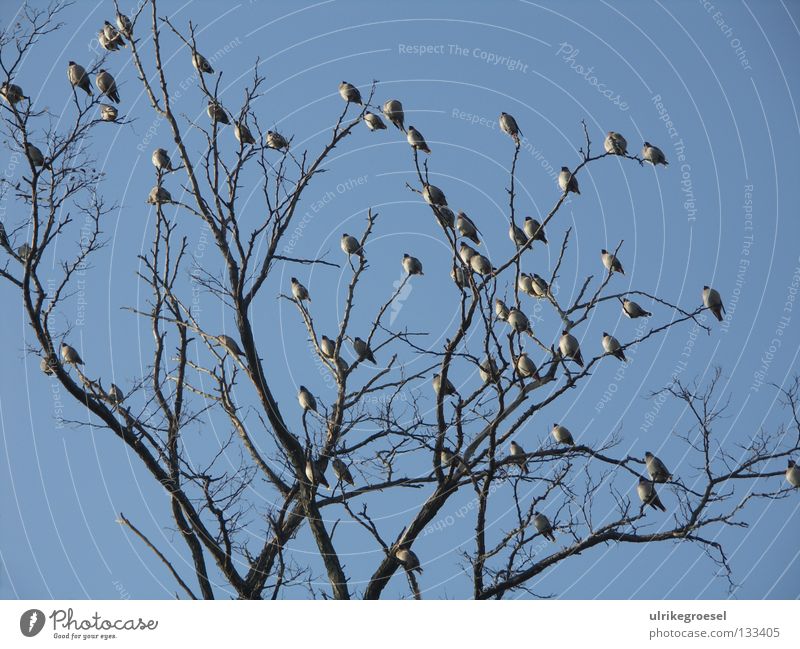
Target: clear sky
714,86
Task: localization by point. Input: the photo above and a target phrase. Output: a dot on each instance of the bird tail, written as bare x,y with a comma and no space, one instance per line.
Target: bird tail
579,358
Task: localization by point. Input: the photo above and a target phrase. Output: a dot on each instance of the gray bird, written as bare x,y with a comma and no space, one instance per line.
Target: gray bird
526,367
363,351
161,160
611,262
108,113
647,494
519,321
314,475
299,291
242,133
633,310
217,113
116,395
124,25
656,468
542,525
350,245
500,309
416,140
534,230
230,345
447,389
46,365
567,182
24,251
70,356
466,228
349,93
713,302
341,472
518,456
480,264
112,35
466,253
569,347
201,63
611,346
459,276
107,86
35,155
393,111
327,346
615,144
445,216
793,474
110,45
78,78
509,125
653,155
276,141
159,195
538,286
446,456
524,283
306,399
373,122
488,370
562,435
12,93
408,560
432,195
517,235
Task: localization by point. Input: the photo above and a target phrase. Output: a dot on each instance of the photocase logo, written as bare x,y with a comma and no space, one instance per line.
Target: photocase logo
31,622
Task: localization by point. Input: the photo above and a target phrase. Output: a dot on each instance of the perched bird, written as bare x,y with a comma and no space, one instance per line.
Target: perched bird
124,25
793,474
230,345
647,494
500,309
201,63
116,395
447,389
161,160
12,93
393,111
432,195
615,144
542,525
525,283
611,262
509,125
526,367
159,195
299,291
314,475
653,155
480,264
107,86
459,276
408,560
306,399
276,141
569,347
562,435
341,472
611,346
35,155
517,235
110,45
242,133
534,230
712,301
633,310
70,356
446,456
445,216
518,456
466,228
373,122
217,113
538,286
363,351
24,251
519,321
327,346
78,78
46,365
466,253
350,93
350,245
112,35
488,370
108,113
655,467
341,365
567,181
416,140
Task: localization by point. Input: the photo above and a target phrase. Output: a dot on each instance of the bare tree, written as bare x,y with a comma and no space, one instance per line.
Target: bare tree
234,535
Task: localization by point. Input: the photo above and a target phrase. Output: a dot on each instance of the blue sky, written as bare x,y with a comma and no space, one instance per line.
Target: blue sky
711,85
